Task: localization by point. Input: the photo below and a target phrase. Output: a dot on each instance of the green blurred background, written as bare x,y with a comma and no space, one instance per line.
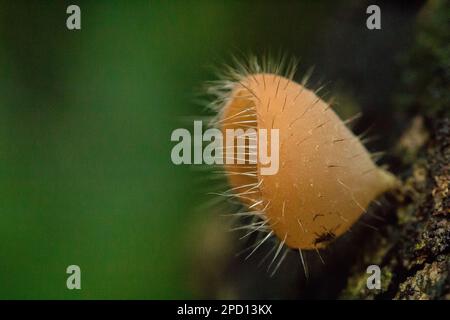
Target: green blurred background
86,118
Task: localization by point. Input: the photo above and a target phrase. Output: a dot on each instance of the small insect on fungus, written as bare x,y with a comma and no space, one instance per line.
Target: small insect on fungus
326,177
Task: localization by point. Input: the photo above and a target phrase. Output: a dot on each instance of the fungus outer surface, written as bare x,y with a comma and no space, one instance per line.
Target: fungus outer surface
326,177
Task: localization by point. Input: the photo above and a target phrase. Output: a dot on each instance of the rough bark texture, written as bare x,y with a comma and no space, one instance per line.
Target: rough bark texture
413,252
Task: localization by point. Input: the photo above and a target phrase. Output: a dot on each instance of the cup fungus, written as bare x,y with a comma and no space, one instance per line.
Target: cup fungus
326,177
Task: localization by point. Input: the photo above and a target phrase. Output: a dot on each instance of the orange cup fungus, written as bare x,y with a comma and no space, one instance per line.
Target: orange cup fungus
326,177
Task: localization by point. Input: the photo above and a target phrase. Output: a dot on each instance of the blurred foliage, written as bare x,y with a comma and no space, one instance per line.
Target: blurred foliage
426,79
85,124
